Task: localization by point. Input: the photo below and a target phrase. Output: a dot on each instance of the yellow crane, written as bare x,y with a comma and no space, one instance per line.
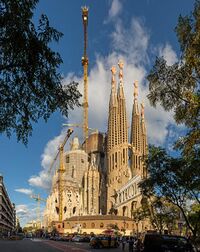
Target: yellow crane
85,63
61,170
78,126
38,199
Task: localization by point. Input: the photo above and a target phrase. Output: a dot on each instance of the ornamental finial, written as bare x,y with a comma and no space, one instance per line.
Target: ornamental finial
142,109
113,71
135,90
121,66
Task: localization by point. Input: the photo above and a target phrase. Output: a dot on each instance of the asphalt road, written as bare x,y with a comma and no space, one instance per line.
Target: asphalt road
37,245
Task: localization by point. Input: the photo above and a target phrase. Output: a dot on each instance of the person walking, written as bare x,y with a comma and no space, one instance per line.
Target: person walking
109,241
123,243
131,243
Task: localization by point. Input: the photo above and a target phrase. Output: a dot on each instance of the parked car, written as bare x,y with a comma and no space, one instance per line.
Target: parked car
85,239
80,238
166,243
76,238
55,238
103,242
66,238
19,236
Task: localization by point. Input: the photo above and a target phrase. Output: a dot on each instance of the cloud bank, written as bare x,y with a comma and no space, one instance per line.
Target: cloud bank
24,190
27,212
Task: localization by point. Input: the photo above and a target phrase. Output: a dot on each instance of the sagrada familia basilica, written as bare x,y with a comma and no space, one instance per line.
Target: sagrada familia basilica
102,174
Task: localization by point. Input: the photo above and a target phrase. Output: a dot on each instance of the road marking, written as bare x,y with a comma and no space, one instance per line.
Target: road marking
36,240
64,247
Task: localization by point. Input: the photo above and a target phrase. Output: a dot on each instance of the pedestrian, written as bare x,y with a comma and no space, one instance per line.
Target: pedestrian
131,243
109,241
138,244
123,243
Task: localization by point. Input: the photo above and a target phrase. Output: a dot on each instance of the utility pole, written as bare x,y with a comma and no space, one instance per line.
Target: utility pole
85,73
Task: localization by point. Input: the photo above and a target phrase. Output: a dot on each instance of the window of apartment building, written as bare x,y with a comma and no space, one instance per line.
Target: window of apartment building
82,160
101,225
93,225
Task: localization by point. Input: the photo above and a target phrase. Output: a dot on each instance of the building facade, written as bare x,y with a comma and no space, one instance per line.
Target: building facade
102,175
7,210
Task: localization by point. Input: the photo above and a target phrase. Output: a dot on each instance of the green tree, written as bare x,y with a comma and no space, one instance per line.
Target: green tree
161,214
194,217
177,180
177,87
30,84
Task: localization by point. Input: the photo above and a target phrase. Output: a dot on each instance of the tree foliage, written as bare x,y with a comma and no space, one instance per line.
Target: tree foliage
161,214
30,84
177,87
177,180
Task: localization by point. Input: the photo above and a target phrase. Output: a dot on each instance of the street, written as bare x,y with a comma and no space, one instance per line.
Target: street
38,245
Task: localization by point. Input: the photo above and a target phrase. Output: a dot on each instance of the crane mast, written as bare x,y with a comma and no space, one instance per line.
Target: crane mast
85,73
38,199
61,171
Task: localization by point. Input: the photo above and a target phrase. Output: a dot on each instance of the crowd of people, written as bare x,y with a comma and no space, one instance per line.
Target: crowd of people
133,243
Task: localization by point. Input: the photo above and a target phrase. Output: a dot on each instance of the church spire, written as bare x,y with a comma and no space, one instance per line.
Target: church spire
121,83
123,127
113,95
136,140
144,139
113,114
117,140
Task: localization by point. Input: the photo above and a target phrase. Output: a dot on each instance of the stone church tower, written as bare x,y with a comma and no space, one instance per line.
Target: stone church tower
122,173
138,137
117,140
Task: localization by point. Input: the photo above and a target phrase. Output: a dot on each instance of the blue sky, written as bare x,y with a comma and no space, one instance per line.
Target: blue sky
135,31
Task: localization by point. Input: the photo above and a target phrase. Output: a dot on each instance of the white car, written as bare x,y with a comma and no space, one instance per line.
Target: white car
77,238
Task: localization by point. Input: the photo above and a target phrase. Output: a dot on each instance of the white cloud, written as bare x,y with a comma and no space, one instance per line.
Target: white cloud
168,53
115,9
130,44
43,180
25,191
28,212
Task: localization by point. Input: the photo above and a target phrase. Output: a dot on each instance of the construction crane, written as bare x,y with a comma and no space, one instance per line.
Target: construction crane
78,126
85,73
61,170
38,199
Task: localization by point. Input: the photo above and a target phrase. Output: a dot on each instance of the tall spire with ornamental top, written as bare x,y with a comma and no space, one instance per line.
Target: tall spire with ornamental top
144,140
123,127
136,141
112,140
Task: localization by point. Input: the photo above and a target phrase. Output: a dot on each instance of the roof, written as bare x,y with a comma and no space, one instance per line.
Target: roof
98,217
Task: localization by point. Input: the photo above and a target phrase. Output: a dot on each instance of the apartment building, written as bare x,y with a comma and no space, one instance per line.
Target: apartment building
7,210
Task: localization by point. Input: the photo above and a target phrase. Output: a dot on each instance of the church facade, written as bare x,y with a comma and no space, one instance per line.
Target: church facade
102,175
